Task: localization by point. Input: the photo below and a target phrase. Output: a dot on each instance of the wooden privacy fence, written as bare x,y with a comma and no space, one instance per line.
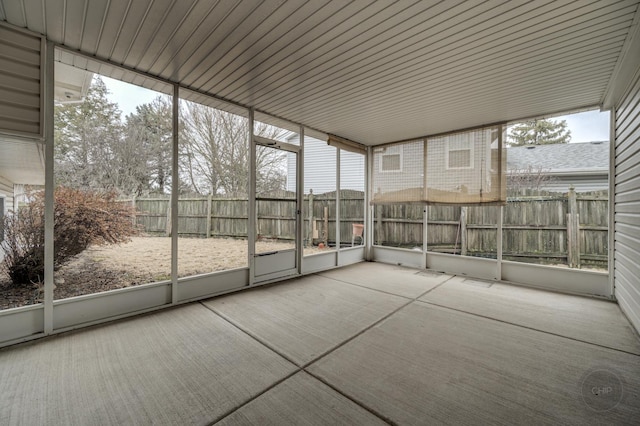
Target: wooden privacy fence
540,227
557,228
227,217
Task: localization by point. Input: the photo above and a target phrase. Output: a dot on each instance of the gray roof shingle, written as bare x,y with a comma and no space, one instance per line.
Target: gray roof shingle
571,156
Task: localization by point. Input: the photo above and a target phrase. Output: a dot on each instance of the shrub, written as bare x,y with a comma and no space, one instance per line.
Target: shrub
81,218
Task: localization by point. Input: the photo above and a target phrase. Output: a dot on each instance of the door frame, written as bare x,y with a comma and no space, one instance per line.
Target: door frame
258,261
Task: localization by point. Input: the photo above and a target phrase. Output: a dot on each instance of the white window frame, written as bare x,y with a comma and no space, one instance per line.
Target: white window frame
395,150
470,141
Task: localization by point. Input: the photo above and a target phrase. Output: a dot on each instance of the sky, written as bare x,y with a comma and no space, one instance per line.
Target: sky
587,126
128,96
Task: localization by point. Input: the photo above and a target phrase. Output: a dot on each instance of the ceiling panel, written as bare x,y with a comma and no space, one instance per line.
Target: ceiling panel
371,71
314,33
54,22
271,35
153,25
314,53
388,43
200,27
489,83
73,25
14,12
438,63
256,26
33,10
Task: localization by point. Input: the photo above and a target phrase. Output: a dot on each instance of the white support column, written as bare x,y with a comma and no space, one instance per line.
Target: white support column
501,211
425,219
251,222
338,242
612,206
425,211
174,195
49,187
368,210
299,201
499,243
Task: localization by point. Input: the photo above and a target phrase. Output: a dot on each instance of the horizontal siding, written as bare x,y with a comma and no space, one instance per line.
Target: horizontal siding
627,204
6,191
20,88
320,168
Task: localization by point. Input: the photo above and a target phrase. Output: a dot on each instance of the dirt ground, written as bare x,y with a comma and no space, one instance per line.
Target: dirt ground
143,260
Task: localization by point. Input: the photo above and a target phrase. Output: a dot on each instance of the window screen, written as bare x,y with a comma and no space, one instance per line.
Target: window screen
458,168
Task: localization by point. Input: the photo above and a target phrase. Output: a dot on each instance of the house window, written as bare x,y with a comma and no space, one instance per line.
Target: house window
391,160
459,152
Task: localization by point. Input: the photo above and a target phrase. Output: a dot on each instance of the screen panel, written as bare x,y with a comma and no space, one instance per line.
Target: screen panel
462,168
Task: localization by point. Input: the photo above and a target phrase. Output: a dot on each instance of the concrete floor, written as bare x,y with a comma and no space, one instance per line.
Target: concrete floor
367,344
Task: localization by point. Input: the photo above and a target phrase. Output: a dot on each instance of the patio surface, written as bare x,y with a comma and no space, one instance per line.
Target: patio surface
366,344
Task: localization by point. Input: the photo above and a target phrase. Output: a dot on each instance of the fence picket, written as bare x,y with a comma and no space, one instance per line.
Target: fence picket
551,227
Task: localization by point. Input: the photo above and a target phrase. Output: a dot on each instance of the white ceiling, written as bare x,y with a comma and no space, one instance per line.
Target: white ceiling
370,71
71,83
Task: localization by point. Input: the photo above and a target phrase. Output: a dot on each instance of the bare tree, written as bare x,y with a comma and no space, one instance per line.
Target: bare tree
528,178
214,152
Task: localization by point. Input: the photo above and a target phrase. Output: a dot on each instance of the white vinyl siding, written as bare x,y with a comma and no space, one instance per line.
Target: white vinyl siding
6,202
20,82
626,201
316,161
6,192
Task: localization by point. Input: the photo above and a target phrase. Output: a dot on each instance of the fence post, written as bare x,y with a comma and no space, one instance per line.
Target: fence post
168,225
573,230
310,237
134,219
208,225
463,231
326,227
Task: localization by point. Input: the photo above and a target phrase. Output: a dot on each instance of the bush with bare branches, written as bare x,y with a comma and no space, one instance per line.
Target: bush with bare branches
81,218
528,178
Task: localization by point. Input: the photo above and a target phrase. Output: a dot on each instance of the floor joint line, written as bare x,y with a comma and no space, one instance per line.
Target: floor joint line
355,401
384,291
529,328
256,396
369,327
248,333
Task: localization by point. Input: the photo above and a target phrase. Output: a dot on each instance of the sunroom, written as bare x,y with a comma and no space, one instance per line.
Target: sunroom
253,145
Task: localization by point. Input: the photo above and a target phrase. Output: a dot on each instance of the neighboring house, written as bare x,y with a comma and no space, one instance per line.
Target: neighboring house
22,160
459,163
6,202
25,168
320,164
585,166
400,166
6,195
23,163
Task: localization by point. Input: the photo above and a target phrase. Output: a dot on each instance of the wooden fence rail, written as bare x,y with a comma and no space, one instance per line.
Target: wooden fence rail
566,228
